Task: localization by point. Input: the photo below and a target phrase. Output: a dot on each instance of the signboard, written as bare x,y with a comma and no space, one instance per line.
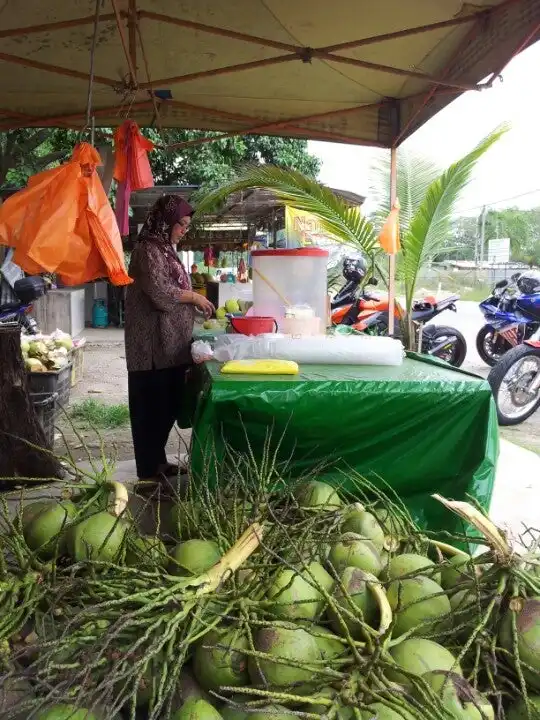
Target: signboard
498,251
303,229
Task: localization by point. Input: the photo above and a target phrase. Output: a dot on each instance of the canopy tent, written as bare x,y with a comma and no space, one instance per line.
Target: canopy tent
354,71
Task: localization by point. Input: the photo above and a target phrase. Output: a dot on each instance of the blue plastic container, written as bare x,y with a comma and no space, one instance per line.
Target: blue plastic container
100,314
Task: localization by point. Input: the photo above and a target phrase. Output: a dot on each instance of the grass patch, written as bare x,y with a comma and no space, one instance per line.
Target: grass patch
100,415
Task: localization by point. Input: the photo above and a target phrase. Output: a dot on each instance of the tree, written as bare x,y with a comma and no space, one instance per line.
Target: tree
208,164
523,229
213,163
26,152
427,225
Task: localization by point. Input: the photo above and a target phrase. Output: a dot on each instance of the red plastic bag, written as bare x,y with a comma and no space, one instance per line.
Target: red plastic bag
63,223
128,140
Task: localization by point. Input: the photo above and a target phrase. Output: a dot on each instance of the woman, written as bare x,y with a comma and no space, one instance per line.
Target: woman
160,311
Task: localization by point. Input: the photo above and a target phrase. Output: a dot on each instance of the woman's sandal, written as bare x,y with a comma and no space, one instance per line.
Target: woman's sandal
160,486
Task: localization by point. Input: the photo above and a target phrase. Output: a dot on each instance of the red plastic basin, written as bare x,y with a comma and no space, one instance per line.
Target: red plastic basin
254,325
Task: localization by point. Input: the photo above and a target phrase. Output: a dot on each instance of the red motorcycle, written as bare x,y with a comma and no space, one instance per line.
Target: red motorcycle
364,310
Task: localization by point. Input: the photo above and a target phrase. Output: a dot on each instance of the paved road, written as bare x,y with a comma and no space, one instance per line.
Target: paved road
468,319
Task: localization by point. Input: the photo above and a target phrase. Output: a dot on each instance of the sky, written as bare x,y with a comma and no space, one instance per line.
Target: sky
510,169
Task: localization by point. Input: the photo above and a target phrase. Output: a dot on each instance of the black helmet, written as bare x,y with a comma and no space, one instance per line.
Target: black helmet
354,268
529,282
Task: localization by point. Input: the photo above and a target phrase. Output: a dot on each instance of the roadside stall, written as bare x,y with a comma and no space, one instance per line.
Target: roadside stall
268,595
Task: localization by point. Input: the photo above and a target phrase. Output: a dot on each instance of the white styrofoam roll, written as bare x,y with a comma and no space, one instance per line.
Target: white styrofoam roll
344,350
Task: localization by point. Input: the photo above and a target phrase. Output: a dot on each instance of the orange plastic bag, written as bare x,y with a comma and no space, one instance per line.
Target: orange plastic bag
389,235
63,223
128,139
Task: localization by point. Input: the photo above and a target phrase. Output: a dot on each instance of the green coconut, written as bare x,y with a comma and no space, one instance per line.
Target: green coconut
234,711
380,711
43,522
456,570
410,564
316,495
418,656
185,519
295,644
330,646
196,709
459,698
325,693
65,712
364,524
353,551
391,524
297,595
99,537
194,557
147,552
272,712
526,615
357,592
518,711
218,660
417,603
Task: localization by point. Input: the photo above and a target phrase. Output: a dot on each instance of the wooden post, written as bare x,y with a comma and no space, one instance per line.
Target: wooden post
20,428
392,257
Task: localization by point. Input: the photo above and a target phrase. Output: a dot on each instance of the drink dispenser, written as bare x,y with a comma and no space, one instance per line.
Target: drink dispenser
291,284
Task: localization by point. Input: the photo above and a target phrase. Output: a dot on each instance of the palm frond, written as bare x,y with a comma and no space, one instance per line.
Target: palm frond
415,173
344,223
430,226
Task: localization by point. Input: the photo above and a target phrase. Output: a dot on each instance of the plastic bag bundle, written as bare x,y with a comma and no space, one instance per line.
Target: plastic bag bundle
339,350
62,223
131,168
201,352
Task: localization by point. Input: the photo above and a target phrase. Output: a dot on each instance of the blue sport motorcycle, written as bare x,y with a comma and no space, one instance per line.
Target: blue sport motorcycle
512,315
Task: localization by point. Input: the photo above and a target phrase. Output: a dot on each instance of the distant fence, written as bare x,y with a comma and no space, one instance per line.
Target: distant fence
462,278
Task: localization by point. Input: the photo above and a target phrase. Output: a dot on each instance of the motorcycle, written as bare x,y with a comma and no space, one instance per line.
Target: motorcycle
512,316
515,379
25,292
367,312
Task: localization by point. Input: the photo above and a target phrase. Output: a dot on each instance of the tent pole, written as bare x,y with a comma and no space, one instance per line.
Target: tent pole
392,257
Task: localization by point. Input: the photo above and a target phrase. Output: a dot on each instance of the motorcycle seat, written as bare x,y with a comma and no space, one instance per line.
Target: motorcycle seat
10,307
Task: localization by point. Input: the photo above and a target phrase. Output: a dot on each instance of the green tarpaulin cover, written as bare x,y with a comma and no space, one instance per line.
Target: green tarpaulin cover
422,427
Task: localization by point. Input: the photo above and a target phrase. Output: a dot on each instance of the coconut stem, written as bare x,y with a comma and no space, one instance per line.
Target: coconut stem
448,549
233,559
483,524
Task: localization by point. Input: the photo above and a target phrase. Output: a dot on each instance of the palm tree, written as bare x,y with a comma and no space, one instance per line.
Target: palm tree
428,201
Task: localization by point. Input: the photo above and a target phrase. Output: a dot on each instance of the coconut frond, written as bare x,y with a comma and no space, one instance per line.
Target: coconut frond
415,173
344,223
430,226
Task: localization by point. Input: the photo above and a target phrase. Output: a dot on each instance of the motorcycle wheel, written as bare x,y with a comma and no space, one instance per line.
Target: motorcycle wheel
453,353
512,376
484,345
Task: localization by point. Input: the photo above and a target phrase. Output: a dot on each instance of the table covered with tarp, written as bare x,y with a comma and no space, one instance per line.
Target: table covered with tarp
419,428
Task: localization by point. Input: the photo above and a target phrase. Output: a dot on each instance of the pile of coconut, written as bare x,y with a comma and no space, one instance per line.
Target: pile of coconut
46,353
259,600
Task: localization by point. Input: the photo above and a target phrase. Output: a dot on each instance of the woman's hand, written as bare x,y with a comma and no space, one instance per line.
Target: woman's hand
204,305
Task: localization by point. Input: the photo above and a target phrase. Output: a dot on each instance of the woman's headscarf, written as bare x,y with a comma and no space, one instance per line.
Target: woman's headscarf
166,212
163,216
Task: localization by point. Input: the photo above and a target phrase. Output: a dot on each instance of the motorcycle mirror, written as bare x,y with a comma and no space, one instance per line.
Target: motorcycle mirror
372,281
501,284
515,276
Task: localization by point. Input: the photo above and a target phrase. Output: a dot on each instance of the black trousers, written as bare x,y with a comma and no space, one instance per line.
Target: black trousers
155,398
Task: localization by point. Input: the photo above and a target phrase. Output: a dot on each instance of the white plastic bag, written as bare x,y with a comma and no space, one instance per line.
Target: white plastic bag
201,352
340,350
